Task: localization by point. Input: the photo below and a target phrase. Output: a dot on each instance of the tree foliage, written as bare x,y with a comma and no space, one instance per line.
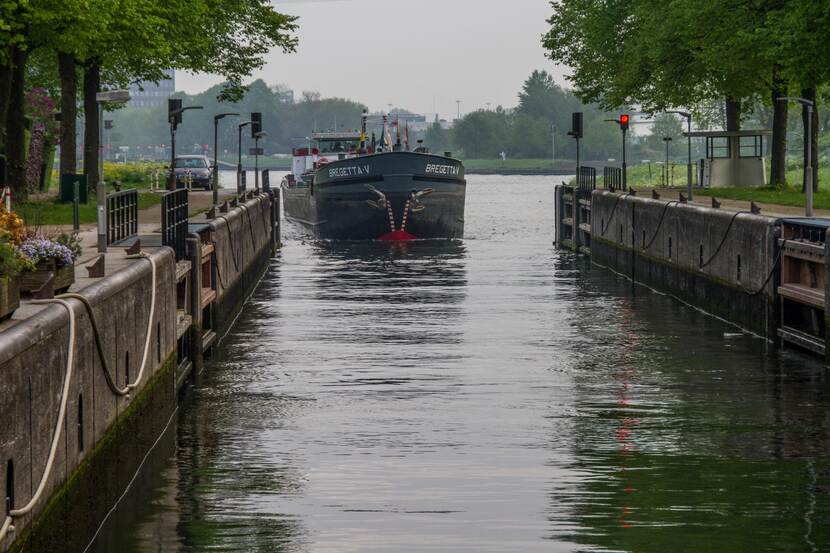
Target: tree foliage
122,41
690,53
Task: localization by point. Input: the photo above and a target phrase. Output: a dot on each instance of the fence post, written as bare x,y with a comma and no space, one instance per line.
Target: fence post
76,206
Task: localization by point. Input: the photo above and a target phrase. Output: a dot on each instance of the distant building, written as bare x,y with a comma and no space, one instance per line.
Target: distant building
148,94
285,96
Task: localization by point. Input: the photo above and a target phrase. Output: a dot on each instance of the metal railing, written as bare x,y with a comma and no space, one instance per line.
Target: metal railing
122,215
612,178
174,222
586,178
266,181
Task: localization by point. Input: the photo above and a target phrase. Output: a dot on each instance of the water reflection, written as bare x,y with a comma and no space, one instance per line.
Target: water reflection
688,436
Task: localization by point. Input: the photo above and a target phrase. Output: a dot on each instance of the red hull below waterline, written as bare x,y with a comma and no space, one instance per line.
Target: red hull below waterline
398,236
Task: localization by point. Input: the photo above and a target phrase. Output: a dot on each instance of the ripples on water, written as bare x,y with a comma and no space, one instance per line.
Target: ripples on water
487,395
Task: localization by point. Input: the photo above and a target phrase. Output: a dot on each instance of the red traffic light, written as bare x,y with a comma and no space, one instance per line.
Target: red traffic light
624,119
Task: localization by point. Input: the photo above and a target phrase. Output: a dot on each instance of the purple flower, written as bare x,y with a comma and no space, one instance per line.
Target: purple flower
41,249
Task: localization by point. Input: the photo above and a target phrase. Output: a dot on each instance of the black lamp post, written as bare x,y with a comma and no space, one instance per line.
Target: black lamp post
239,156
688,117
174,118
216,119
667,140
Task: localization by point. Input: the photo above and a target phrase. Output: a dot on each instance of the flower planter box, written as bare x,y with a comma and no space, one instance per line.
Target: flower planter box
9,296
64,277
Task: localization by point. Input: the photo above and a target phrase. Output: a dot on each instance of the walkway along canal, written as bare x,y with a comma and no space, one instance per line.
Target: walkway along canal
89,380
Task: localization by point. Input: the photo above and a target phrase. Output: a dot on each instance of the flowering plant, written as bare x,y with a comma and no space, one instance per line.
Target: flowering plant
38,249
12,225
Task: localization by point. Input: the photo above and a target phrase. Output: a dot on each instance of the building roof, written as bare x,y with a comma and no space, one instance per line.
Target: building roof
749,132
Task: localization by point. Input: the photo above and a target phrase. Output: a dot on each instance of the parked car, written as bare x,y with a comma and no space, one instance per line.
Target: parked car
199,169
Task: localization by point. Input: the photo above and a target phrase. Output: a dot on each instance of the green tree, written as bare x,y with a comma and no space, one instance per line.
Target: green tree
684,53
119,41
482,134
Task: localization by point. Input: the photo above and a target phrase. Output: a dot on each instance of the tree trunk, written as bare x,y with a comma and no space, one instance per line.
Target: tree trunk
5,91
16,127
733,114
810,94
69,111
780,110
92,83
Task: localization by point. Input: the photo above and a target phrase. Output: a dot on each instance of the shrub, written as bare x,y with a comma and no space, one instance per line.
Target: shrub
11,262
132,174
12,225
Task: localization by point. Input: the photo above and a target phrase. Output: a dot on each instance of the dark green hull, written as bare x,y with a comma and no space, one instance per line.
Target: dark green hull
338,204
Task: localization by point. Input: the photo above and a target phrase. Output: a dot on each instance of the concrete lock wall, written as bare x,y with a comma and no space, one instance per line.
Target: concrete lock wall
105,437
33,357
243,240
670,246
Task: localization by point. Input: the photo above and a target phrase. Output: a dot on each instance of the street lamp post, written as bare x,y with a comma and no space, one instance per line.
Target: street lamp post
239,155
216,119
688,117
808,147
108,127
101,98
667,140
257,136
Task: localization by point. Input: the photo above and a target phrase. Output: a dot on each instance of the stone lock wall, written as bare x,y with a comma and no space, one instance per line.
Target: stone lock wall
243,245
671,246
105,437
33,358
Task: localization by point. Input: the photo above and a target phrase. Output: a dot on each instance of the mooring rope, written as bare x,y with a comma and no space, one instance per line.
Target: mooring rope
113,386
659,224
70,364
230,240
59,424
250,225
771,273
723,240
604,228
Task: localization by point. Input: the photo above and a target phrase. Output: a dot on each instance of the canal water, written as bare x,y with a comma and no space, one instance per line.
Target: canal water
490,395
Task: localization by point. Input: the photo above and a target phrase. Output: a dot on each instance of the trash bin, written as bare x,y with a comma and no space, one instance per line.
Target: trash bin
67,191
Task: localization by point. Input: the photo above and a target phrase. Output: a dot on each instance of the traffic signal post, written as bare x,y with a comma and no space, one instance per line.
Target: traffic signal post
174,117
623,122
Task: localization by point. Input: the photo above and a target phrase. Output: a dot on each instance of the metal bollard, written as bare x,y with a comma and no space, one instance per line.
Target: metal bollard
76,206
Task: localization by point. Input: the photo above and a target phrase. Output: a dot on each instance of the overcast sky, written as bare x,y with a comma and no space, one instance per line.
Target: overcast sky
422,55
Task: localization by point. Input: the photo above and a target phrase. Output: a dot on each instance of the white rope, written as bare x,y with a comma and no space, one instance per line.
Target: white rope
70,362
125,391
47,471
149,333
